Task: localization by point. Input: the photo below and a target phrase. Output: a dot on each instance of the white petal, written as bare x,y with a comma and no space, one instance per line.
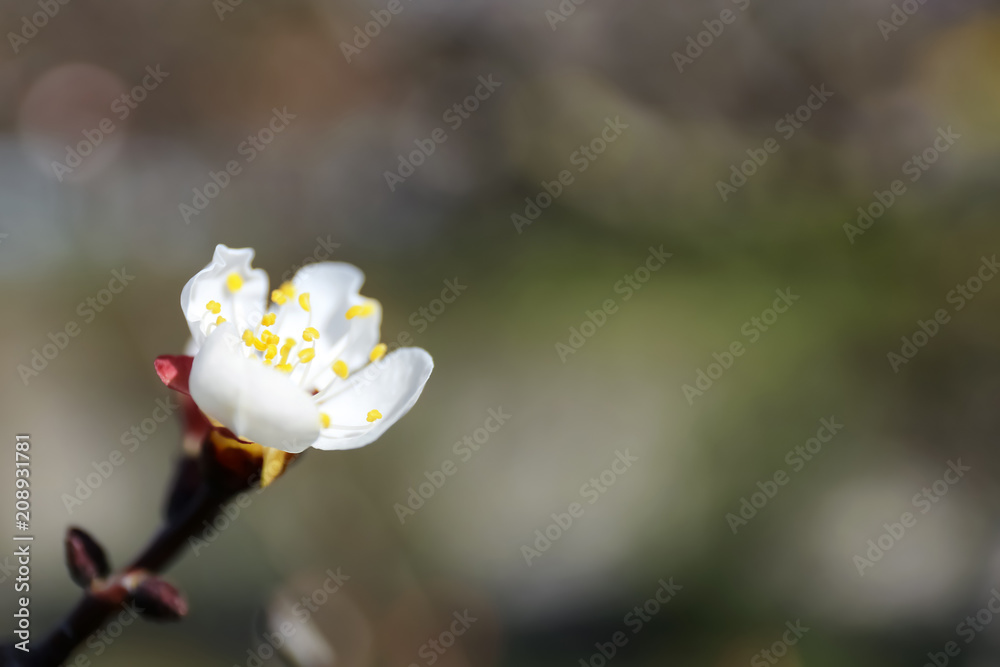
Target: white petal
254,401
333,289
243,308
390,386
354,348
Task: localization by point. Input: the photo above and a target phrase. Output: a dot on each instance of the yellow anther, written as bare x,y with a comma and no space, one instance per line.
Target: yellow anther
288,289
219,320
214,307
248,337
304,302
270,338
234,282
268,319
259,344
324,419
278,297
340,368
364,310
378,352
373,415
310,334
284,368
305,356
272,352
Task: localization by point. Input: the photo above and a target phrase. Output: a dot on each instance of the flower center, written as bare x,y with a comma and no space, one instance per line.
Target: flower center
266,346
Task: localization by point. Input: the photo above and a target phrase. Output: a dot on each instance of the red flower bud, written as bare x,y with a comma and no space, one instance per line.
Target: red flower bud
85,558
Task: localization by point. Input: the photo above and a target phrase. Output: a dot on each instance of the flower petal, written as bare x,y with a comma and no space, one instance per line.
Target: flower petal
255,401
354,347
333,289
230,281
390,386
174,371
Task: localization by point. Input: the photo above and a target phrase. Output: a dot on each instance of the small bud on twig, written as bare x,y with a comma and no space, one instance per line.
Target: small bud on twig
159,601
85,558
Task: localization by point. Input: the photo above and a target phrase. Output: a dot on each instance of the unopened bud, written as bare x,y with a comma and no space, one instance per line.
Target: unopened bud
85,558
159,601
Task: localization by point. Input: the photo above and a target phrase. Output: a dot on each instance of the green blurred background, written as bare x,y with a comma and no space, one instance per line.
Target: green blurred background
321,184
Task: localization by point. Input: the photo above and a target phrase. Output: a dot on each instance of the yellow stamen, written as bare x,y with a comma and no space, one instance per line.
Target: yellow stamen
304,302
363,310
373,415
272,352
288,289
284,368
310,334
248,337
268,319
340,368
219,320
259,344
378,351
234,282
324,419
278,297
286,349
214,307
305,356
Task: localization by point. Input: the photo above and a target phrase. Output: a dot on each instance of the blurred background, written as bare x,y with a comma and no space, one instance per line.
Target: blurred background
537,154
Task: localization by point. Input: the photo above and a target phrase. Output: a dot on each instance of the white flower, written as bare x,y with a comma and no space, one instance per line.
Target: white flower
306,371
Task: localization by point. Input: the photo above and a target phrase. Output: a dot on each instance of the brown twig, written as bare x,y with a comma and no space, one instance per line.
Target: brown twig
212,488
